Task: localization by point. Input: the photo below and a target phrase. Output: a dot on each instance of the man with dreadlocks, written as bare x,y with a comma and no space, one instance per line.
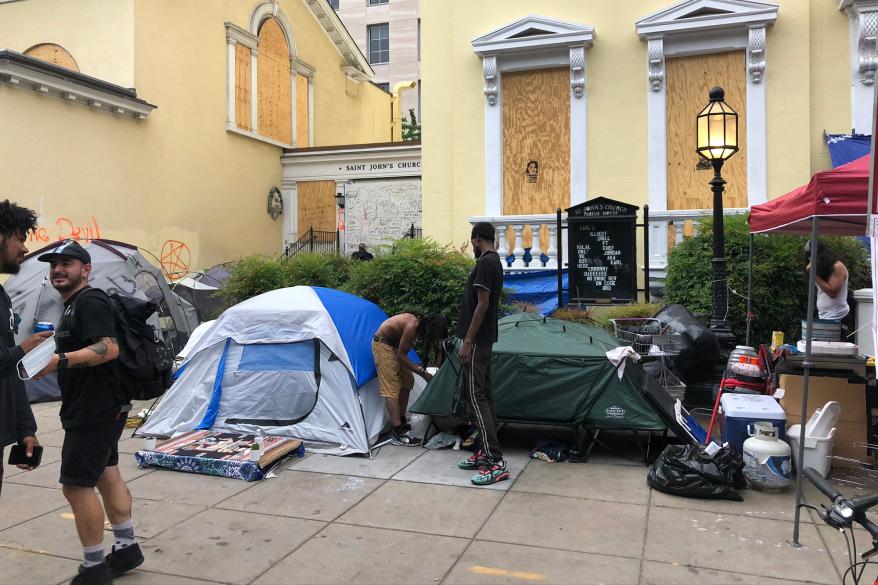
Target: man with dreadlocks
17,424
390,347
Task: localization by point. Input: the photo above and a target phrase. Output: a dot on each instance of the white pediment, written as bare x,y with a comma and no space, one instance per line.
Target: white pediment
701,15
534,32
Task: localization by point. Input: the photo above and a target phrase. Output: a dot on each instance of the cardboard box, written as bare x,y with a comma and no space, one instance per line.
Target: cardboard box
851,397
846,434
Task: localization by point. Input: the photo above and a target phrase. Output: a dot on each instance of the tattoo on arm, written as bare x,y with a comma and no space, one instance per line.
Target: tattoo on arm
101,346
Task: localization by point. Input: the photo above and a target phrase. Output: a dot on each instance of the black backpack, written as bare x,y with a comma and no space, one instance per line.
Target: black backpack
145,362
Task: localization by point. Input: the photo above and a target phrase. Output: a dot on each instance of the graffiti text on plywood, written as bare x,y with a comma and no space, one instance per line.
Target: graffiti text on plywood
175,258
65,228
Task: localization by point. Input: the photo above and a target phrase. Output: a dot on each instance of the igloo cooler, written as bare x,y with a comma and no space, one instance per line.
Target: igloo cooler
740,411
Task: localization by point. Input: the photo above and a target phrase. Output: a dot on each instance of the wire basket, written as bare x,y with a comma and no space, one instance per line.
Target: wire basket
647,336
674,386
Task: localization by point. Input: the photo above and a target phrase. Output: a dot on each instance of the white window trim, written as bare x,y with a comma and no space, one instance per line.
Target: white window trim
668,33
565,44
863,23
369,28
250,38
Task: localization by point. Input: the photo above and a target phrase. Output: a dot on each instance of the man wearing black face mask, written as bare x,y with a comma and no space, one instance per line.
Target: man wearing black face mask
477,327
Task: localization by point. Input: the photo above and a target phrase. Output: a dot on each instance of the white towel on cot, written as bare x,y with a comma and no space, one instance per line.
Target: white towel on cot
618,357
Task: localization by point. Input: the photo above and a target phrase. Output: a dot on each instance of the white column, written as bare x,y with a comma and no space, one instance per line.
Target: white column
535,251
493,137
864,28
310,112
552,252
502,248
578,127
289,227
657,163
293,105
658,245
518,251
757,152
230,113
254,90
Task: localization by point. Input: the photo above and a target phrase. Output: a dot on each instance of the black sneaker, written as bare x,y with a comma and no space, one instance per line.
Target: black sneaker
94,575
404,438
125,559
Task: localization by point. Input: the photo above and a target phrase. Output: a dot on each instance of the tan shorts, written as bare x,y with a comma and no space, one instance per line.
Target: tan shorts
392,375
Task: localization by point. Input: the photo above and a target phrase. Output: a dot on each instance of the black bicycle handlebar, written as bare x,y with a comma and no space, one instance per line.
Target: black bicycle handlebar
821,484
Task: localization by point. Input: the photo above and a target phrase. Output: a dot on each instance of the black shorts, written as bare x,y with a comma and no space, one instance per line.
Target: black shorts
87,452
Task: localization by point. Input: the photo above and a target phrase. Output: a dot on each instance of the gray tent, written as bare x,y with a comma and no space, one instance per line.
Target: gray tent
116,268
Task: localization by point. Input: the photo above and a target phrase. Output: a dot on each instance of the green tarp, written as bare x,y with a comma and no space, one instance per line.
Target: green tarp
554,372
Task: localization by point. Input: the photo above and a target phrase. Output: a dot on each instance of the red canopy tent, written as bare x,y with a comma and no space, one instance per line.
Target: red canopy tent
833,202
838,197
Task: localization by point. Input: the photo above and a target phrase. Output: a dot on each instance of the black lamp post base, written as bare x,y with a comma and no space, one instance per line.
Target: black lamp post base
727,339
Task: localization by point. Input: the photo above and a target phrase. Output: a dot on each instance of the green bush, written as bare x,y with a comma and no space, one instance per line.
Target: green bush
780,286
413,274
255,275
602,317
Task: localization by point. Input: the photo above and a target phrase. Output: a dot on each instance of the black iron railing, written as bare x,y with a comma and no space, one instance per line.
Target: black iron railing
315,241
413,233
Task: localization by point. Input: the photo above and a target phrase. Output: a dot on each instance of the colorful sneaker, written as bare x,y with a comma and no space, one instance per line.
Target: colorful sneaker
405,439
494,472
477,460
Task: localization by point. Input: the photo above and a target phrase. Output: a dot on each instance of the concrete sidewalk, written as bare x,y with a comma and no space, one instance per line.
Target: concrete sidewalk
409,516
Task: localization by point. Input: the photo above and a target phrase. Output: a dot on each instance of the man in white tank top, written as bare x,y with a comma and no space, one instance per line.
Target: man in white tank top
832,283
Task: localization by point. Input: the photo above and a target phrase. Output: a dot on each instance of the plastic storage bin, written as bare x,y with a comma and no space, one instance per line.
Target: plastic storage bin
819,438
740,411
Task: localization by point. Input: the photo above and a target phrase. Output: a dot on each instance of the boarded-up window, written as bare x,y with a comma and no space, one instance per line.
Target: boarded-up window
301,110
243,85
273,82
315,205
688,81
52,53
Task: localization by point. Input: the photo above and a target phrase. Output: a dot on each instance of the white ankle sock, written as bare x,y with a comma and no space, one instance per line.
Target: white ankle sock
92,555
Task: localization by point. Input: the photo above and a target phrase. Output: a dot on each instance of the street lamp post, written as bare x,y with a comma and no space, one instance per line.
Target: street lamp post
717,140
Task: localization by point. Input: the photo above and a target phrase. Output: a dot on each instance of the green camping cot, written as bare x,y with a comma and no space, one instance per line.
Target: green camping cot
551,372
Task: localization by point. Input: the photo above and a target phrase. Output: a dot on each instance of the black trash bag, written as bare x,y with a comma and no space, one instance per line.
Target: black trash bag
685,470
700,350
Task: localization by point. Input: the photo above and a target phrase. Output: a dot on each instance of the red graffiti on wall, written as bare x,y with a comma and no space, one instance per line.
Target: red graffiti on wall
65,228
175,258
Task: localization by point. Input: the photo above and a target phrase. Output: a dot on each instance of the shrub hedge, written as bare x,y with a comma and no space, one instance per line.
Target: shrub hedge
780,285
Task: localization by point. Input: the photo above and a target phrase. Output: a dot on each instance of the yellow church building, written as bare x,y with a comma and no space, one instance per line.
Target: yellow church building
532,106
162,123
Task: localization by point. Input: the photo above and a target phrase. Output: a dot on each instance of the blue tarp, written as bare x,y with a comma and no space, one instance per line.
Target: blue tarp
356,320
844,148
537,288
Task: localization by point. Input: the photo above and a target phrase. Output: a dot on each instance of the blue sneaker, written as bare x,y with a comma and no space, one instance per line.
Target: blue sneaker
494,472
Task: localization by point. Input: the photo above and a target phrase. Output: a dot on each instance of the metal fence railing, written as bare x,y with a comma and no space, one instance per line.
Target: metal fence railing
413,233
315,241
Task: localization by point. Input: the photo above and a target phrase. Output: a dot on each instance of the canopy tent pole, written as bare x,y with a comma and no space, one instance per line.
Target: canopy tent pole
749,292
806,367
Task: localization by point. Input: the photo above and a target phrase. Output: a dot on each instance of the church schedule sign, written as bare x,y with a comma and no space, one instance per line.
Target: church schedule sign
602,251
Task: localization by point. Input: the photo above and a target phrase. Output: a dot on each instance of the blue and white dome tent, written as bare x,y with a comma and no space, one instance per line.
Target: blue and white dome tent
294,362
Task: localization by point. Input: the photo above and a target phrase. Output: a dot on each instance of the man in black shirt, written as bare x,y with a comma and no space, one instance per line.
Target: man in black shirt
362,254
477,327
17,424
93,413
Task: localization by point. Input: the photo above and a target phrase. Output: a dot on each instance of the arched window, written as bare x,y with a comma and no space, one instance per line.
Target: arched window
52,53
269,87
273,83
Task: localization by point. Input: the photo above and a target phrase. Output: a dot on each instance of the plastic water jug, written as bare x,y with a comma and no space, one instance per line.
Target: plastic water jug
766,459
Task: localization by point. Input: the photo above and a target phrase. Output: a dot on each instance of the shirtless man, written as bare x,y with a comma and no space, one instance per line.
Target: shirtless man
390,347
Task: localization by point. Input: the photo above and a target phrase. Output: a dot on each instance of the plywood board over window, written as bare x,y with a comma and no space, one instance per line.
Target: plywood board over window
689,80
316,205
52,53
302,107
536,127
242,86
273,82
